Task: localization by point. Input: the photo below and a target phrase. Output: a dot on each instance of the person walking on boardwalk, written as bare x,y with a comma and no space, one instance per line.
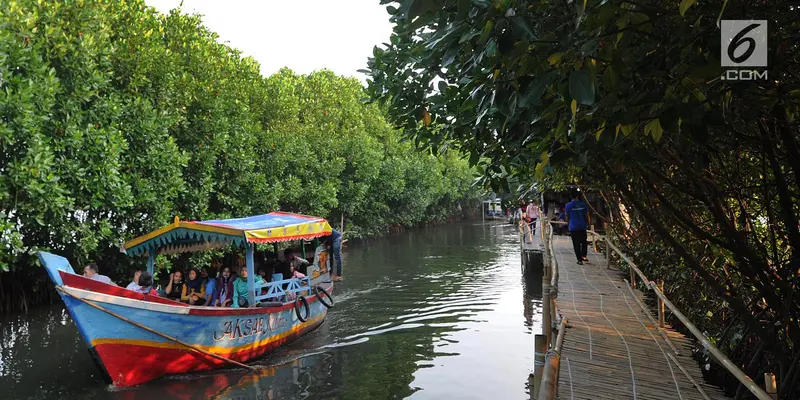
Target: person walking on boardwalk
533,215
577,216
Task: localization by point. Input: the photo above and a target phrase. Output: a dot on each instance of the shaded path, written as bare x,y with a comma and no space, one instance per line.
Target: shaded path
613,350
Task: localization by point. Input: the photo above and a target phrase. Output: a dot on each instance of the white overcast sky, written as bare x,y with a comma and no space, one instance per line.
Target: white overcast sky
305,35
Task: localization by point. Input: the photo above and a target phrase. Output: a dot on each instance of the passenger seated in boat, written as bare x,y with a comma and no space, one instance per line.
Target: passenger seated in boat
175,286
223,292
194,292
204,275
295,274
145,284
210,285
240,293
92,271
265,276
134,285
299,264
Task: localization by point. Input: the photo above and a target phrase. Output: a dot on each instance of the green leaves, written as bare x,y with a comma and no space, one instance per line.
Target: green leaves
110,134
581,87
684,5
523,28
654,129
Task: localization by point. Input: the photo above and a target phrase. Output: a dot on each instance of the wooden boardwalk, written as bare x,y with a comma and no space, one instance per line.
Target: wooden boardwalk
612,348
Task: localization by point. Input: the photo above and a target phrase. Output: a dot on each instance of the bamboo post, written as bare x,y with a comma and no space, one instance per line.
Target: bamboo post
547,328
549,386
610,240
770,385
594,239
660,284
633,277
540,350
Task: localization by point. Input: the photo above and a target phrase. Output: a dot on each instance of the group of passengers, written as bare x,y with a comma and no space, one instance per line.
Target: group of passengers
226,288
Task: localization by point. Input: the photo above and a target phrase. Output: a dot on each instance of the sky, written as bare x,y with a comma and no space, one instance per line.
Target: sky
303,35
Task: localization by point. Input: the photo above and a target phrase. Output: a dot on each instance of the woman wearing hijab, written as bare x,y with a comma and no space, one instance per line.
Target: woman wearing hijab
194,292
223,296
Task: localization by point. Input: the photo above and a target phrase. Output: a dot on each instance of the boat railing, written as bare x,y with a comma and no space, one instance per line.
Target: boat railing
278,290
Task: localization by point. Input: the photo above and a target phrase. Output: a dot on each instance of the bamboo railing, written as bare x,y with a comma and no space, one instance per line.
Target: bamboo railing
545,380
548,353
662,301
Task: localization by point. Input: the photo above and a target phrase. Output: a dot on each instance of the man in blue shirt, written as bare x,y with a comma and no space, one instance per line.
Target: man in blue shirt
577,217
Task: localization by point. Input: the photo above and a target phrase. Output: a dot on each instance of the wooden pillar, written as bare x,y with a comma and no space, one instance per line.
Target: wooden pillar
540,351
151,262
770,386
547,327
633,277
594,239
610,239
251,274
660,304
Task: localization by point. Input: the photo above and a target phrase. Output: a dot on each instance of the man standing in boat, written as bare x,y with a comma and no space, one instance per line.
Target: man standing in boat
336,248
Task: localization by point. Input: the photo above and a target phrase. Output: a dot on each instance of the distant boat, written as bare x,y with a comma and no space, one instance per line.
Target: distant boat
492,209
135,338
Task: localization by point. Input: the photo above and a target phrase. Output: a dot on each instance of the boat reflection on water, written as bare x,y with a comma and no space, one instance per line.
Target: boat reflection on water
268,382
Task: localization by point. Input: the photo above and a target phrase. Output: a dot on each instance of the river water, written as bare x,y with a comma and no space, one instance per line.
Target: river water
430,314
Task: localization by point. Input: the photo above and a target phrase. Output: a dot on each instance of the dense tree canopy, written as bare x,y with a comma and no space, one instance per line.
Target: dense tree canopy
115,118
626,96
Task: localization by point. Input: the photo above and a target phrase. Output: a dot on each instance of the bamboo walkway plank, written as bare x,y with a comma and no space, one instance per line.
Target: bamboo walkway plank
611,349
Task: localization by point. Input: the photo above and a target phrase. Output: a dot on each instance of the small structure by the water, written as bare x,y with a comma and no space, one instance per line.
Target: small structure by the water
135,338
492,208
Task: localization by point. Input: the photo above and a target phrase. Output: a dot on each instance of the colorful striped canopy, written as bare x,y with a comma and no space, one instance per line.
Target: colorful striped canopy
191,236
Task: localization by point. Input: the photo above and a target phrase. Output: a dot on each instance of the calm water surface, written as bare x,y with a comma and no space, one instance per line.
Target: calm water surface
433,314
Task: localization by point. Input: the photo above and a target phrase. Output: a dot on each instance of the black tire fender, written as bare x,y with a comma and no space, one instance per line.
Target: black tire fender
297,302
322,294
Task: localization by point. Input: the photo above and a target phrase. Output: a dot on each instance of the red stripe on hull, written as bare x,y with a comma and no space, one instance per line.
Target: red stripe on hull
81,282
131,365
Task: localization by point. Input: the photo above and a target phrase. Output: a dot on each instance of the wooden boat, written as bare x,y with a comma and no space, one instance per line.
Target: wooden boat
135,338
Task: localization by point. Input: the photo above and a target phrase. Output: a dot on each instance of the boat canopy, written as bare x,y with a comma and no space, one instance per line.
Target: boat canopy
191,236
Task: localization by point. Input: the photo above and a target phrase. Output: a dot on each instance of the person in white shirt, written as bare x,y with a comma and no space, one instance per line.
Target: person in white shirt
134,285
91,271
533,214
